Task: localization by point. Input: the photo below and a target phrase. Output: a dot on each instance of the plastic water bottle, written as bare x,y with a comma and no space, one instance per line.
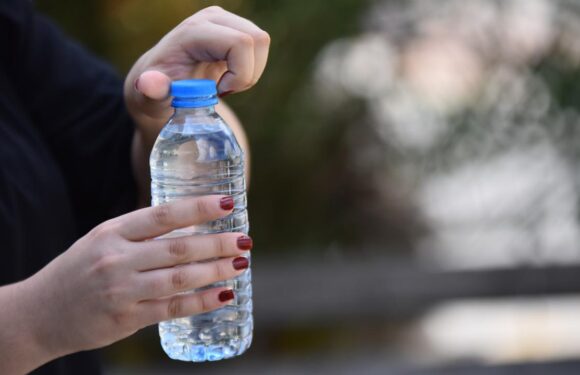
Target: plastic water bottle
197,154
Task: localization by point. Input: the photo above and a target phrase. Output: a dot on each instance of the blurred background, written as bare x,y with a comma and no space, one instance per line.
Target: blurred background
415,183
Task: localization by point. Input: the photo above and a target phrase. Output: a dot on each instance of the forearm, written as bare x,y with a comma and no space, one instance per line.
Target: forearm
21,346
147,128
234,123
141,148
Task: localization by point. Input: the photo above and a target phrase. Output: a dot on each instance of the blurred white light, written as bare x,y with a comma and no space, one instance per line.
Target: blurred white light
368,65
519,207
453,91
362,67
503,331
443,71
403,121
528,30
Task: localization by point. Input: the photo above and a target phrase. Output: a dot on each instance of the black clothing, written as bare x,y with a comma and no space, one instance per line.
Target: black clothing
65,139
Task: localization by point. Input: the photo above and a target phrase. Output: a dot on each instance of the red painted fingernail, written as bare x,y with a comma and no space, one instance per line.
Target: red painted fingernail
225,93
245,243
227,203
137,84
241,263
226,295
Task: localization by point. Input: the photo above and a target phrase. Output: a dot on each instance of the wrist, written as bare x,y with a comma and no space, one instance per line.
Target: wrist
23,346
46,332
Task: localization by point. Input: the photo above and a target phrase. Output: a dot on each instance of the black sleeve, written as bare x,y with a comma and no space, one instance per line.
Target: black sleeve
76,102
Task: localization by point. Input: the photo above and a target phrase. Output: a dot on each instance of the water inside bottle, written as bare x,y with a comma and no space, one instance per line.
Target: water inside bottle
193,160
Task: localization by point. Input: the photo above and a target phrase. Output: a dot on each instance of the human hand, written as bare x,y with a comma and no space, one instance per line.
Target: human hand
116,280
212,43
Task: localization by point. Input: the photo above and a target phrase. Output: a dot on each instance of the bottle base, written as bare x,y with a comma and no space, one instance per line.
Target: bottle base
203,353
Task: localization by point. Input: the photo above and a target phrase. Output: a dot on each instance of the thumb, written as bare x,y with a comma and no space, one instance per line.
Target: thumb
153,84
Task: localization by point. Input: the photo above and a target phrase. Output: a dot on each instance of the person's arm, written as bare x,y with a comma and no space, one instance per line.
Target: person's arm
232,120
114,281
213,43
21,350
75,102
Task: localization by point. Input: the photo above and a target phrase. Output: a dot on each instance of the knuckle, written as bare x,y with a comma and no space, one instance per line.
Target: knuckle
119,312
194,20
262,38
213,9
161,215
219,272
175,307
202,304
105,264
122,318
105,229
220,246
113,297
201,207
157,286
178,279
210,11
245,40
177,249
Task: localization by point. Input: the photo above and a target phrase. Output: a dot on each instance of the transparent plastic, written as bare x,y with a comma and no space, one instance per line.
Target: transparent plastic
197,154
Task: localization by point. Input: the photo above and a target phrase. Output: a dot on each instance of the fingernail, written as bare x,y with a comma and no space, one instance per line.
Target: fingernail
227,203
245,243
137,84
226,295
241,263
225,93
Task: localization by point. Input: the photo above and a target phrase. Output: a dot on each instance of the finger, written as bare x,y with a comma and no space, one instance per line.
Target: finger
260,57
209,70
213,71
169,281
260,38
152,93
211,42
155,221
182,305
170,252
154,85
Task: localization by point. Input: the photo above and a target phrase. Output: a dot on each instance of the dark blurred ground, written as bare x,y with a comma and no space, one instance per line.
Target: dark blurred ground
369,366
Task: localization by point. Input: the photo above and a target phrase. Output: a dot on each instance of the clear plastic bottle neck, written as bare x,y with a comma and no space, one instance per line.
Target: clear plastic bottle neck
198,111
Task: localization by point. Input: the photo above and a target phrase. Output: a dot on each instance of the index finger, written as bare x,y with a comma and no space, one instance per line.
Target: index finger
210,42
155,221
261,38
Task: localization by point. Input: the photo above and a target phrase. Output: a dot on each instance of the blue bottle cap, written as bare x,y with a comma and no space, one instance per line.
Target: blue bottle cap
192,93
